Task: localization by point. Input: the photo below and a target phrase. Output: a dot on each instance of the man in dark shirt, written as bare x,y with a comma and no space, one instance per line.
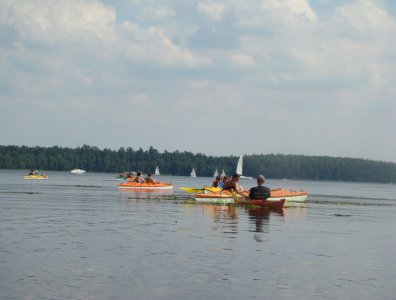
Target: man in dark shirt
260,191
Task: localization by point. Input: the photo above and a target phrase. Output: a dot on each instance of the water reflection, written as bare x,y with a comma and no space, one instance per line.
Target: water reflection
225,217
295,213
144,193
259,217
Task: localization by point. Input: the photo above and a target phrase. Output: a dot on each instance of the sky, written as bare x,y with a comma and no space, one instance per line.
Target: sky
305,77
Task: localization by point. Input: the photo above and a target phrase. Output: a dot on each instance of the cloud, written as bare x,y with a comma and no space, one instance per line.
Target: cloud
241,60
275,15
214,11
157,12
60,21
364,16
145,45
297,69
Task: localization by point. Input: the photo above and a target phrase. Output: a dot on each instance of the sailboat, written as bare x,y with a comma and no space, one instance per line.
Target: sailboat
193,173
239,168
216,173
222,173
157,172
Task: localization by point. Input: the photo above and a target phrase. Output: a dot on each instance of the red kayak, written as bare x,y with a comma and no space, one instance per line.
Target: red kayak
272,204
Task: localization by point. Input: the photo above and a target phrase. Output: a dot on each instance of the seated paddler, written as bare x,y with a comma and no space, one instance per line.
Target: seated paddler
233,184
148,179
217,182
260,192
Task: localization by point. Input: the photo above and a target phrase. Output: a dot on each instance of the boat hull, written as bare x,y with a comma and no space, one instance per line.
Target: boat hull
35,177
272,204
146,186
291,198
77,171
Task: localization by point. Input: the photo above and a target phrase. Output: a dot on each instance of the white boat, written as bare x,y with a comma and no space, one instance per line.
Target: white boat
77,171
157,172
222,173
193,173
216,174
239,168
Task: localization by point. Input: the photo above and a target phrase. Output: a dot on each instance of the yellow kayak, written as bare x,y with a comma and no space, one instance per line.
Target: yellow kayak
35,177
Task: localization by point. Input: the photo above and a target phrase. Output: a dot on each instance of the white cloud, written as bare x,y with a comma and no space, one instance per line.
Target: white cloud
152,45
61,21
275,15
157,12
266,62
364,16
289,10
91,25
241,60
214,11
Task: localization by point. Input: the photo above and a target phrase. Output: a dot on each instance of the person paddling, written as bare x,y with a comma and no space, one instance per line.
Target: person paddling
138,178
260,191
233,184
148,179
217,182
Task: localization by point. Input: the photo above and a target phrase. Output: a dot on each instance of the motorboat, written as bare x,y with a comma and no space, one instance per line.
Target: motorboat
77,171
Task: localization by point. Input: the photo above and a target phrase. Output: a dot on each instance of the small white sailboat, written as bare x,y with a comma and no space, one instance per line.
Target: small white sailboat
216,173
223,173
77,171
239,168
157,172
193,174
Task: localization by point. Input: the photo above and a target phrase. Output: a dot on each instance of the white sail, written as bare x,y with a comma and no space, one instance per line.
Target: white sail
157,172
239,168
222,173
193,173
216,173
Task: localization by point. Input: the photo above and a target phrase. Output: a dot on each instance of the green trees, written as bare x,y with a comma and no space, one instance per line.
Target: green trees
276,166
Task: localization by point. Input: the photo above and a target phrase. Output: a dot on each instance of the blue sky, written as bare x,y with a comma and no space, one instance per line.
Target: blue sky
213,77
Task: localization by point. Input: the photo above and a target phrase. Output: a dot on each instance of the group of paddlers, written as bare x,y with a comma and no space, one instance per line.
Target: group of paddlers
137,177
258,192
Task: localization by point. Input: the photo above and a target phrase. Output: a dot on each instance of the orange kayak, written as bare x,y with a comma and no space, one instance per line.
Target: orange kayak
146,186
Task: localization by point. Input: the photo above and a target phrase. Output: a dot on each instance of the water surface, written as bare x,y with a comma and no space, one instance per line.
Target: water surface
80,237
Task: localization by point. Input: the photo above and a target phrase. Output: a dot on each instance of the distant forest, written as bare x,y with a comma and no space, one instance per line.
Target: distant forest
274,166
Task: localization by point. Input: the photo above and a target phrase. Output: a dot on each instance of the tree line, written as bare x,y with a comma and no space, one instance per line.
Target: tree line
275,166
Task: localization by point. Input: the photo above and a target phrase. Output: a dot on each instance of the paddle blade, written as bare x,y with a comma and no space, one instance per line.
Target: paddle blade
190,190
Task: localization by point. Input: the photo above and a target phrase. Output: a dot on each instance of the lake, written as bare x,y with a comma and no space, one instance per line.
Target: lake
80,237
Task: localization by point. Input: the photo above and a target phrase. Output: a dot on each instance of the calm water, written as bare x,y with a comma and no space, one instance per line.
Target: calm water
79,237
